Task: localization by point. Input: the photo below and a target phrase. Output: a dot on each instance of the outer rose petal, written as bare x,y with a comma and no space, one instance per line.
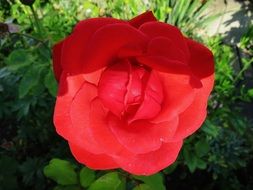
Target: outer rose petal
75,44
102,48
201,61
57,52
152,162
89,117
100,129
142,18
94,161
141,136
130,50
161,46
159,29
69,120
193,117
202,64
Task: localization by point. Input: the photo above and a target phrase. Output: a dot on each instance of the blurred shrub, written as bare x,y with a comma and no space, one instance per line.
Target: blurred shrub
190,16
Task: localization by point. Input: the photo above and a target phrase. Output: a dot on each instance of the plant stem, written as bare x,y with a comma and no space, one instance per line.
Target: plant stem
34,38
36,19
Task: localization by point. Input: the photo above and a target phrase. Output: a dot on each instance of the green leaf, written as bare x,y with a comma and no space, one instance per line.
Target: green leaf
201,164
183,12
190,159
29,80
250,93
202,148
210,128
51,83
193,7
154,181
109,181
143,187
18,59
202,8
61,171
87,177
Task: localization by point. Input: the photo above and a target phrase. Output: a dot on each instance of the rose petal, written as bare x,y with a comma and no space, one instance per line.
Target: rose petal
135,85
113,86
152,162
142,136
100,129
57,52
81,117
130,50
142,18
159,29
153,97
76,44
71,117
201,60
178,95
161,46
94,77
102,48
93,161
202,65
69,85
192,118
164,64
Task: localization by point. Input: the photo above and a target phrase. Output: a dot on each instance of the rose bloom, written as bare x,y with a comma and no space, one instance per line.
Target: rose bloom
130,92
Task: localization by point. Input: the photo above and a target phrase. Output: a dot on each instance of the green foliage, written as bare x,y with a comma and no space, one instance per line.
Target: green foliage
124,9
61,171
230,148
87,176
201,148
50,83
193,157
153,182
246,42
142,187
109,181
18,59
69,177
189,15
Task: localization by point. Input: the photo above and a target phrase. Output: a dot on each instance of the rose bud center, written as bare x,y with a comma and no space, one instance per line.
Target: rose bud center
130,90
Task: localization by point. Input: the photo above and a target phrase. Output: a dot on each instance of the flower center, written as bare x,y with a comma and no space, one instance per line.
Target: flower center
130,91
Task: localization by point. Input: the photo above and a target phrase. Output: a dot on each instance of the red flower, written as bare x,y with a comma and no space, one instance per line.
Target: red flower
130,92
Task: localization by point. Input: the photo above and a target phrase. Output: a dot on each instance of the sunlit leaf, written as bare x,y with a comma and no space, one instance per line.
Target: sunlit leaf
61,171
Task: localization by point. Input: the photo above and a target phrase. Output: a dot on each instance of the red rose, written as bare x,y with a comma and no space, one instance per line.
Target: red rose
130,92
